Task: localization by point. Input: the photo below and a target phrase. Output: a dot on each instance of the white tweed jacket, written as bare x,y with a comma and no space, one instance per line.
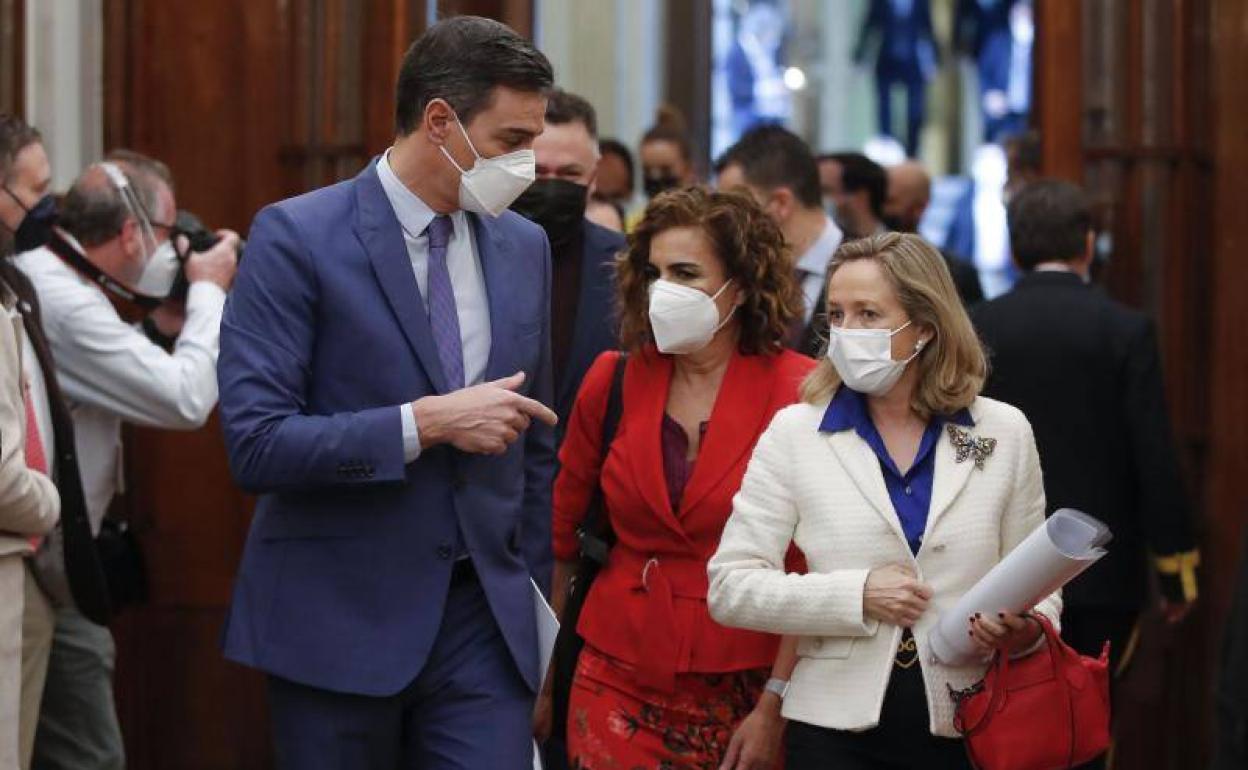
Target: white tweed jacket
825,493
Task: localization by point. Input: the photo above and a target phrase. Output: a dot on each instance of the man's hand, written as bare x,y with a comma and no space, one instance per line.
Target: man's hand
894,595
484,419
218,264
169,317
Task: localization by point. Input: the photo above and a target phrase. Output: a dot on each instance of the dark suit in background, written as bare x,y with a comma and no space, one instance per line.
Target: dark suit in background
1086,372
965,278
586,328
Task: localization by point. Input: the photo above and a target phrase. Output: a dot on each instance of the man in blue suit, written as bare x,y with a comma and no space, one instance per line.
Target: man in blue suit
582,254
385,361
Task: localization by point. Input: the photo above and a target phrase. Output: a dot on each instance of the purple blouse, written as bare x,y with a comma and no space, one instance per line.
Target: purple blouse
677,467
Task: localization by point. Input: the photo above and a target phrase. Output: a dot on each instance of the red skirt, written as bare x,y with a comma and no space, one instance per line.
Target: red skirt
614,723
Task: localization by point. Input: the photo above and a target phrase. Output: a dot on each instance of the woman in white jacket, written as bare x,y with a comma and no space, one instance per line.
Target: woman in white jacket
903,488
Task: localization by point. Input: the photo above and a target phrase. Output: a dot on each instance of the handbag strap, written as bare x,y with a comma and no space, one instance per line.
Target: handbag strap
596,535
1058,649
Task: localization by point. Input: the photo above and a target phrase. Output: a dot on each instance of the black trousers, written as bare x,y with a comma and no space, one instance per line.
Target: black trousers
903,739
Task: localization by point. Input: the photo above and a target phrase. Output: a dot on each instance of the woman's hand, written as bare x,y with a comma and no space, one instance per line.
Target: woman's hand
893,594
1007,632
756,743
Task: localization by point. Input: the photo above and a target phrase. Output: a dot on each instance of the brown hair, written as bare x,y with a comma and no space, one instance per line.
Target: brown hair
952,368
748,244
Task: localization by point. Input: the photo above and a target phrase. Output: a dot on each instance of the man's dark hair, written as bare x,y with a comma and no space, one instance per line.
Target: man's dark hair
772,156
93,211
563,107
620,150
858,172
15,136
1049,220
461,60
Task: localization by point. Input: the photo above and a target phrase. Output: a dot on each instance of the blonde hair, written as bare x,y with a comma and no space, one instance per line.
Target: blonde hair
952,367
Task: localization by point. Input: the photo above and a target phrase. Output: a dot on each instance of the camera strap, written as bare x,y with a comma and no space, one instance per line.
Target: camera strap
116,290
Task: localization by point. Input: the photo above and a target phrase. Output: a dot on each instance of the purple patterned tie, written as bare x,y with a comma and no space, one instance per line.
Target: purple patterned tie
443,317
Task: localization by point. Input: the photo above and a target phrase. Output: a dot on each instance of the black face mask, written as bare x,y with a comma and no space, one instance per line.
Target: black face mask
36,226
557,205
654,185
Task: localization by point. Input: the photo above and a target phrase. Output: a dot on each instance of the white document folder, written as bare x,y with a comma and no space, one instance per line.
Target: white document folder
547,630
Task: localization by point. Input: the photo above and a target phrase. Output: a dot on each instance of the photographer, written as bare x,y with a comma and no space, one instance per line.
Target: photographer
109,262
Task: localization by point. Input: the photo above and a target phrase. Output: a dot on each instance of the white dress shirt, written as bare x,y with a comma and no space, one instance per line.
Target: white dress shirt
110,372
467,280
812,267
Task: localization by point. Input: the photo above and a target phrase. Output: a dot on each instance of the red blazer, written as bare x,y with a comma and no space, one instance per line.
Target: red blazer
648,606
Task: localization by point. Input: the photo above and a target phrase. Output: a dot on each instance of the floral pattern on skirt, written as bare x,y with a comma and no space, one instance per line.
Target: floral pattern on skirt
616,724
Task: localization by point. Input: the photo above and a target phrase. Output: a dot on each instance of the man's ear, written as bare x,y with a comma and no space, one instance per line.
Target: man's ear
438,120
783,203
1084,263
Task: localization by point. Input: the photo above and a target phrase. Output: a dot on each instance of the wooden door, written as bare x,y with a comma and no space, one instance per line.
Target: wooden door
249,102
1139,100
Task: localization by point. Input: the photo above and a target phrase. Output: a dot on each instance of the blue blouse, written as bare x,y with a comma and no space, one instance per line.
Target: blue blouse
910,492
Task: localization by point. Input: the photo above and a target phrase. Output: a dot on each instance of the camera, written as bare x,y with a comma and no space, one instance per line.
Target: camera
198,238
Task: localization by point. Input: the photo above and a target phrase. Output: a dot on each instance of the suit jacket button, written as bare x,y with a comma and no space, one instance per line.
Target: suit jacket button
445,551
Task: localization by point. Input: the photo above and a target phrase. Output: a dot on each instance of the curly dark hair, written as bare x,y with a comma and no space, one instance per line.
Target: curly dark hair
747,242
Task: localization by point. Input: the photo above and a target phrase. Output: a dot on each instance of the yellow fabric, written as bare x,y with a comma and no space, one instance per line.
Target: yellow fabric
1184,565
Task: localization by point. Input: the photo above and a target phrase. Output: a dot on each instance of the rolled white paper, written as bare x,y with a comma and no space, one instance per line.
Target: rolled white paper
1066,544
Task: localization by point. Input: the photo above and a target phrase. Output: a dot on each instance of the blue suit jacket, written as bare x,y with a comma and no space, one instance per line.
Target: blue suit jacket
347,566
596,329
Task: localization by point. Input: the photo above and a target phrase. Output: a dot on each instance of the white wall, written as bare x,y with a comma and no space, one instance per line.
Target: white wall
65,82
612,53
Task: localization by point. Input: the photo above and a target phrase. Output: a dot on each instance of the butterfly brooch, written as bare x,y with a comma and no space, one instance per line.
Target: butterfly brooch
971,446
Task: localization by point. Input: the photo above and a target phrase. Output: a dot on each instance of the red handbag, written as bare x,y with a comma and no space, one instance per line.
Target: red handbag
1045,711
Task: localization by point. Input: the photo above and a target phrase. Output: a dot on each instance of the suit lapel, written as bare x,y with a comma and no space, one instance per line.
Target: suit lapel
379,232
645,399
736,419
499,269
863,467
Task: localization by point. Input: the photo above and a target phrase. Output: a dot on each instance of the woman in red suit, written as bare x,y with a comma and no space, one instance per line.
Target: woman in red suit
706,294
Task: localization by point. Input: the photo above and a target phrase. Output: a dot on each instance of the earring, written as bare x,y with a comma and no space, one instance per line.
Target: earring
918,346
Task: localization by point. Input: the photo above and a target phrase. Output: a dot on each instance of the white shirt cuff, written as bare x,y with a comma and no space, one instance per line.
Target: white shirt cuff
411,434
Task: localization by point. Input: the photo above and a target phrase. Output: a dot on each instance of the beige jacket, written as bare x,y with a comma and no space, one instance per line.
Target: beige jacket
825,492
29,504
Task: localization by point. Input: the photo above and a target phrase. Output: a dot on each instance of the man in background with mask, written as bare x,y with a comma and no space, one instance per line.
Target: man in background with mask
27,208
909,192
385,370
854,187
777,168
113,237
582,253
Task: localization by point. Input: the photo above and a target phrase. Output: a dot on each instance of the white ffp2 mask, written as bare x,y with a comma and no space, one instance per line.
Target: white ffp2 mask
683,319
493,184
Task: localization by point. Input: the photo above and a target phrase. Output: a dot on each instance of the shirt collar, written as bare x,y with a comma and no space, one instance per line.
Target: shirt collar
848,411
816,258
414,214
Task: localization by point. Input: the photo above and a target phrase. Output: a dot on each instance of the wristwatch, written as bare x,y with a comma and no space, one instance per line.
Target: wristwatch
778,687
